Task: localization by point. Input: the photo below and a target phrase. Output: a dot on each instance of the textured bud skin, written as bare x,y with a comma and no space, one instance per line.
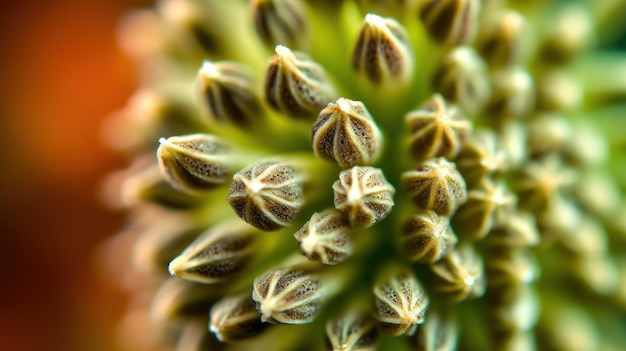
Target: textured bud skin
513,95
459,275
451,22
506,268
346,133
296,85
502,41
438,333
383,52
480,157
513,229
364,195
325,238
194,163
281,22
426,237
226,90
436,130
400,303
353,331
235,318
516,310
217,254
267,195
177,300
462,78
538,183
289,295
435,185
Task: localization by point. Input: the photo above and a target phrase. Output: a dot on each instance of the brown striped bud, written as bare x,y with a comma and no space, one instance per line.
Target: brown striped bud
506,268
296,85
281,22
438,333
480,157
459,275
352,331
598,191
436,130
290,295
193,24
236,318
325,238
537,184
364,195
346,133
217,254
474,218
179,300
435,185
267,195
400,302
513,96
514,230
195,163
226,90
502,41
383,51
462,78
426,237
451,22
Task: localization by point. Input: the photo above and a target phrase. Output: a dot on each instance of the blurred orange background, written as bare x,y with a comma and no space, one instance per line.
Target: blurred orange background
62,74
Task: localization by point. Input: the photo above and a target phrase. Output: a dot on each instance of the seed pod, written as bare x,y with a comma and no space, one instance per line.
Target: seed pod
510,267
347,133
325,238
296,85
513,96
217,254
290,295
537,184
438,333
236,318
451,22
474,218
364,195
436,130
281,22
178,300
267,195
226,90
426,237
514,230
195,163
569,33
459,275
516,310
502,41
353,331
383,51
435,185
462,78
480,157
400,302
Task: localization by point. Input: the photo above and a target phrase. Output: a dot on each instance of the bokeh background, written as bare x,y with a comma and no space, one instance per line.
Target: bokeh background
61,74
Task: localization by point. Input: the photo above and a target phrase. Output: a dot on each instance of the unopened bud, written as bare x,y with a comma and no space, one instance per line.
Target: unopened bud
426,237
325,238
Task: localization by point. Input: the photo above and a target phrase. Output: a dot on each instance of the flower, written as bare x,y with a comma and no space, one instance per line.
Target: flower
362,175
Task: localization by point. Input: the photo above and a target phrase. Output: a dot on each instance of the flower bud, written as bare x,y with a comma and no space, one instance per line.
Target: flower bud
451,22
364,195
516,310
568,34
226,90
462,78
559,91
353,331
236,318
438,333
400,302
435,185
547,133
281,22
426,237
195,163
347,133
459,275
513,229
537,184
436,130
325,238
510,267
296,85
502,41
513,96
177,300
217,254
290,295
480,157
267,195
383,51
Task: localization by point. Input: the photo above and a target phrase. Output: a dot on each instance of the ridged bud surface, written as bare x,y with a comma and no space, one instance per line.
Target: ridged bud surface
346,133
281,22
459,275
480,157
267,195
451,22
503,40
325,238
235,318
296,85
438,333
352,331
437,129
383,51
435,185
364,195
513,95
426,237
